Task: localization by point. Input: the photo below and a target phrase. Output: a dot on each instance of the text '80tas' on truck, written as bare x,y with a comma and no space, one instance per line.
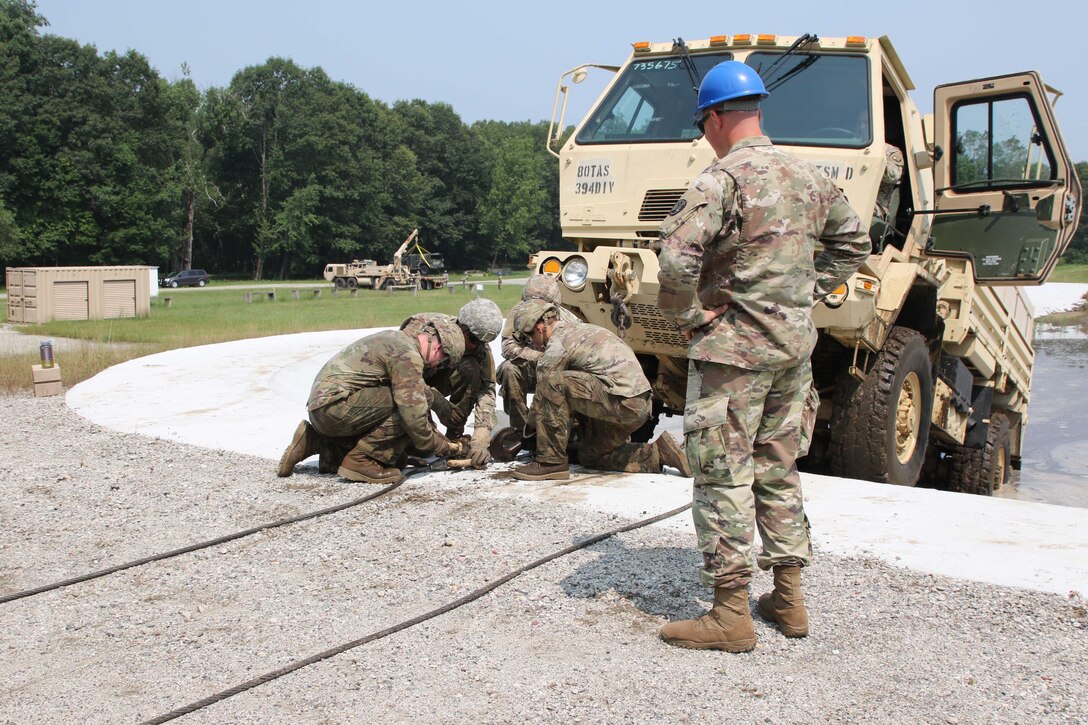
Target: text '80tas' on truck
924,358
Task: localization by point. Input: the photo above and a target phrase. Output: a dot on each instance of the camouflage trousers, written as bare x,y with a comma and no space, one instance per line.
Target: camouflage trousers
742,431
607,423
462,386
516,379
368,420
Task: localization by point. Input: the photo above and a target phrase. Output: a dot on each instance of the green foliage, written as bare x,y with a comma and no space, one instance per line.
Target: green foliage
1077,253
284,170
86,150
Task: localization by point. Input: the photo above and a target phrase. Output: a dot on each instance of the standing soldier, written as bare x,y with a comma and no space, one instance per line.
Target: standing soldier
517,373
738,278
589,373
470,383
372,395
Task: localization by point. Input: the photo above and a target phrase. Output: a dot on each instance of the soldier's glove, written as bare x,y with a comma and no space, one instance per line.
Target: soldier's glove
479,455
453,449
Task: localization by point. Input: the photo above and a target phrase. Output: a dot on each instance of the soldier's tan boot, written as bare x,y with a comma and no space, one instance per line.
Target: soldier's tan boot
358,467
304,443
670,454
542,472
727,626
786,604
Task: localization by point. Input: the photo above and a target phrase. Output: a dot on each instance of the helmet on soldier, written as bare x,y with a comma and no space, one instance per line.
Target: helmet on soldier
730,80
482,317
542,287
449,334
526,314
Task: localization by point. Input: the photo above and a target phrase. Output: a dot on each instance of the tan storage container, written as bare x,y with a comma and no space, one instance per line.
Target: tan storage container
43,294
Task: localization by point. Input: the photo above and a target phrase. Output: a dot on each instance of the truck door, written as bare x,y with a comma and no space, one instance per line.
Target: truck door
1007,195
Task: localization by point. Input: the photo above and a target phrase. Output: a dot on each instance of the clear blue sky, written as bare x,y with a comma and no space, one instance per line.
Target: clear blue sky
500,60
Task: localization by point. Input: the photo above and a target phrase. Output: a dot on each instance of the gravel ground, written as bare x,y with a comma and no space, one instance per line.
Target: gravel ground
572,641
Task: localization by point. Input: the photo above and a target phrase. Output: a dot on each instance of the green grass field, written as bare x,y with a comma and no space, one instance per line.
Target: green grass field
1070,273
206,316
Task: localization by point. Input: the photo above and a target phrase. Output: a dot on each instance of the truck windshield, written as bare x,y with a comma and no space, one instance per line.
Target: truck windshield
651,101
816,100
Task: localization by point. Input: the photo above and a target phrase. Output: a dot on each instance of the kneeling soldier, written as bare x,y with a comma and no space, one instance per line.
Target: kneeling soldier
517,373
372,394
588,372
470,383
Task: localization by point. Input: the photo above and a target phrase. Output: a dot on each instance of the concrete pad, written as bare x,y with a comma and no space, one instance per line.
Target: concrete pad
248,396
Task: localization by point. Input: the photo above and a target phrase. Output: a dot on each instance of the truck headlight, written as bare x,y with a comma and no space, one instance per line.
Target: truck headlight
575,272
838,296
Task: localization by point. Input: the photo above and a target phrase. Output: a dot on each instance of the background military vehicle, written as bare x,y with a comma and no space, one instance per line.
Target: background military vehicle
924,357
422,267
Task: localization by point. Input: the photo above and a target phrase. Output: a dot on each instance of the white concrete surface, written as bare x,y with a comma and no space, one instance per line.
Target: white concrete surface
248,396
1056,297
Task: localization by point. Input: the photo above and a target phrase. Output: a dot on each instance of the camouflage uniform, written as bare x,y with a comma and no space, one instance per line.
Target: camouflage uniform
371,395
588,372
893,174
743,236
517,373
469,385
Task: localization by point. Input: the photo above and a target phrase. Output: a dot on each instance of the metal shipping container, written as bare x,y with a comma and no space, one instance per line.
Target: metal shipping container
43,294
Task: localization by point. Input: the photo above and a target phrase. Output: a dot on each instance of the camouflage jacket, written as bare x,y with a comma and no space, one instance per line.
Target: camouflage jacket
515,351
744,236
594,350
484,410
388,359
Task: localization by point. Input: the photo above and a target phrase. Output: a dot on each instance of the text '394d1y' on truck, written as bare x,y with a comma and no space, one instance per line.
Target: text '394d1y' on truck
924,358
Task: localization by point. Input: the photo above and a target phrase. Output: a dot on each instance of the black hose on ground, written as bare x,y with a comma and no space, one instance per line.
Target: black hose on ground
205,544
470,597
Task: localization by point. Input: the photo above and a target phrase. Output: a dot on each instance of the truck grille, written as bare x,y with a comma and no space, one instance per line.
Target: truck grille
657,202
658,330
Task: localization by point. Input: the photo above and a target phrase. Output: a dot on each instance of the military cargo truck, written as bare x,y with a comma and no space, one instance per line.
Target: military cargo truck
924,357
421,268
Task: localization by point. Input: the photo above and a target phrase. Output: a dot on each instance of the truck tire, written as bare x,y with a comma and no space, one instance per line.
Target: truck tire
983,470
880,427
353,283
340,283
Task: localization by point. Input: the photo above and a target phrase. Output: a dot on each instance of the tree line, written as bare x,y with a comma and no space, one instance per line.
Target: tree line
102,161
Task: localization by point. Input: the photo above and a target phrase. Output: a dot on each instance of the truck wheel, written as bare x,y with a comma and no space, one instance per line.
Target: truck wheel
387,284
880,427
353,283
983,470
340,283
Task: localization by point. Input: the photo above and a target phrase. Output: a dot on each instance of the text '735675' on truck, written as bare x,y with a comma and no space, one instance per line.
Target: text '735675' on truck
924,358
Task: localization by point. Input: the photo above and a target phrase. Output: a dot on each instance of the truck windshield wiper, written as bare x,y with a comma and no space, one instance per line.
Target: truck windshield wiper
772,82
679,46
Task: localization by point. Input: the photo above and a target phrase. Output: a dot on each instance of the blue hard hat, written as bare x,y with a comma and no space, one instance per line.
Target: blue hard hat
729,81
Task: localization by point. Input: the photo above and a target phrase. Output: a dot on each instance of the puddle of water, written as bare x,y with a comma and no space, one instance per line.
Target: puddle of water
1055,450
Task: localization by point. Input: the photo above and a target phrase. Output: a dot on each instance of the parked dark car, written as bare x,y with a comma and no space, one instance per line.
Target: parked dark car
185,278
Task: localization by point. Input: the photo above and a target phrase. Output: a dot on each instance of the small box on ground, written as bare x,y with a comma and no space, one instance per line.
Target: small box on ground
46,381
42,390
46,375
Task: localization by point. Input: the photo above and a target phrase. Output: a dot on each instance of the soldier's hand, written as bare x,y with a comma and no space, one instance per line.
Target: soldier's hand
453,449
479,455
709,316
